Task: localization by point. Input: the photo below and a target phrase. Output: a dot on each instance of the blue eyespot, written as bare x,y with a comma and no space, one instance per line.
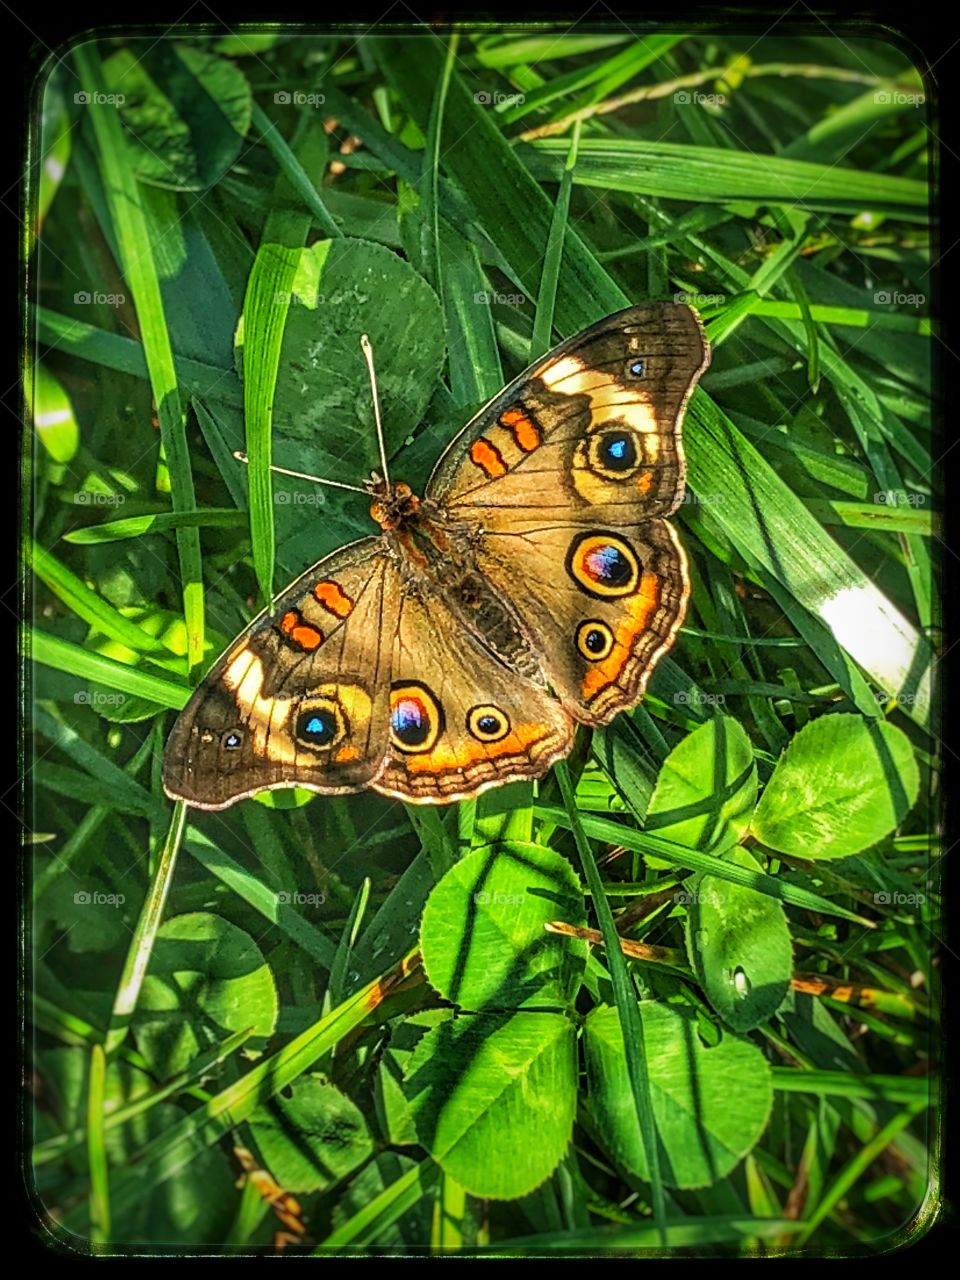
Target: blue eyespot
488,724
410,721
317,726
638,368
231,740
618,451
608,565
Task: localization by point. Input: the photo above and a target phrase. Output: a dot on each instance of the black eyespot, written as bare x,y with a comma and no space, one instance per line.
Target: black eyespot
416,718
603,564
618,451
232,740
637,368
410,721
488,724
594,639
318,726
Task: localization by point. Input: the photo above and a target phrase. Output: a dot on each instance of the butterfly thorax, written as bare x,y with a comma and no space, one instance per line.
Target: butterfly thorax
393,505
437,557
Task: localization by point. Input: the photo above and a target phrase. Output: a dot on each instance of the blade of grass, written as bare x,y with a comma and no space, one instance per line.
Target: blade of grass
173,1150
140,270
855,1168
295,172
265,309
366,1226
87,604
312,938
617,833
96,1149
553,258
52,651
54,1149
125,355
628,1008
145,933
160,522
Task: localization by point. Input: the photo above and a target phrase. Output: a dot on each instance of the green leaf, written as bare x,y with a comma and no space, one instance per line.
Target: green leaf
739,945
711,1105
482,936
312,1136
842,784
188,110
207,978
345,288
494,1099
706,789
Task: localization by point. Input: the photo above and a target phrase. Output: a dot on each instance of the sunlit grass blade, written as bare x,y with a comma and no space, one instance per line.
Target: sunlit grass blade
138,263
52,651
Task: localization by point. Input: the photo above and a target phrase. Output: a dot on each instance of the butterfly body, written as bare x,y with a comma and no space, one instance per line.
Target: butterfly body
534,585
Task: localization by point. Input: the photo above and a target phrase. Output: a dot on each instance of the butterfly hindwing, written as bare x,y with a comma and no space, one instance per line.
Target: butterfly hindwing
302,697
460,719
601,605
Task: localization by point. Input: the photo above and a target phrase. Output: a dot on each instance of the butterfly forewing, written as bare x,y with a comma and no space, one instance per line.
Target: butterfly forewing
590,432
302,697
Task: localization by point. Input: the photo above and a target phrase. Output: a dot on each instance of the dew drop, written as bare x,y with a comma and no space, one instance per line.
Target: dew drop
741,983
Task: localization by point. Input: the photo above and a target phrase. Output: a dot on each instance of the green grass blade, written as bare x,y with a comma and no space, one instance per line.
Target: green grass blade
145,933
52,651
627,1006
96,1149
140,269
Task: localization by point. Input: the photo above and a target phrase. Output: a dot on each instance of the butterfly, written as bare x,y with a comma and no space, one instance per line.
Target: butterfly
534,586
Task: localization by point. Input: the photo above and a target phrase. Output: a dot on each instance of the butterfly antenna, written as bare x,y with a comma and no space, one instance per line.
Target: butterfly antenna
302,475
368,356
